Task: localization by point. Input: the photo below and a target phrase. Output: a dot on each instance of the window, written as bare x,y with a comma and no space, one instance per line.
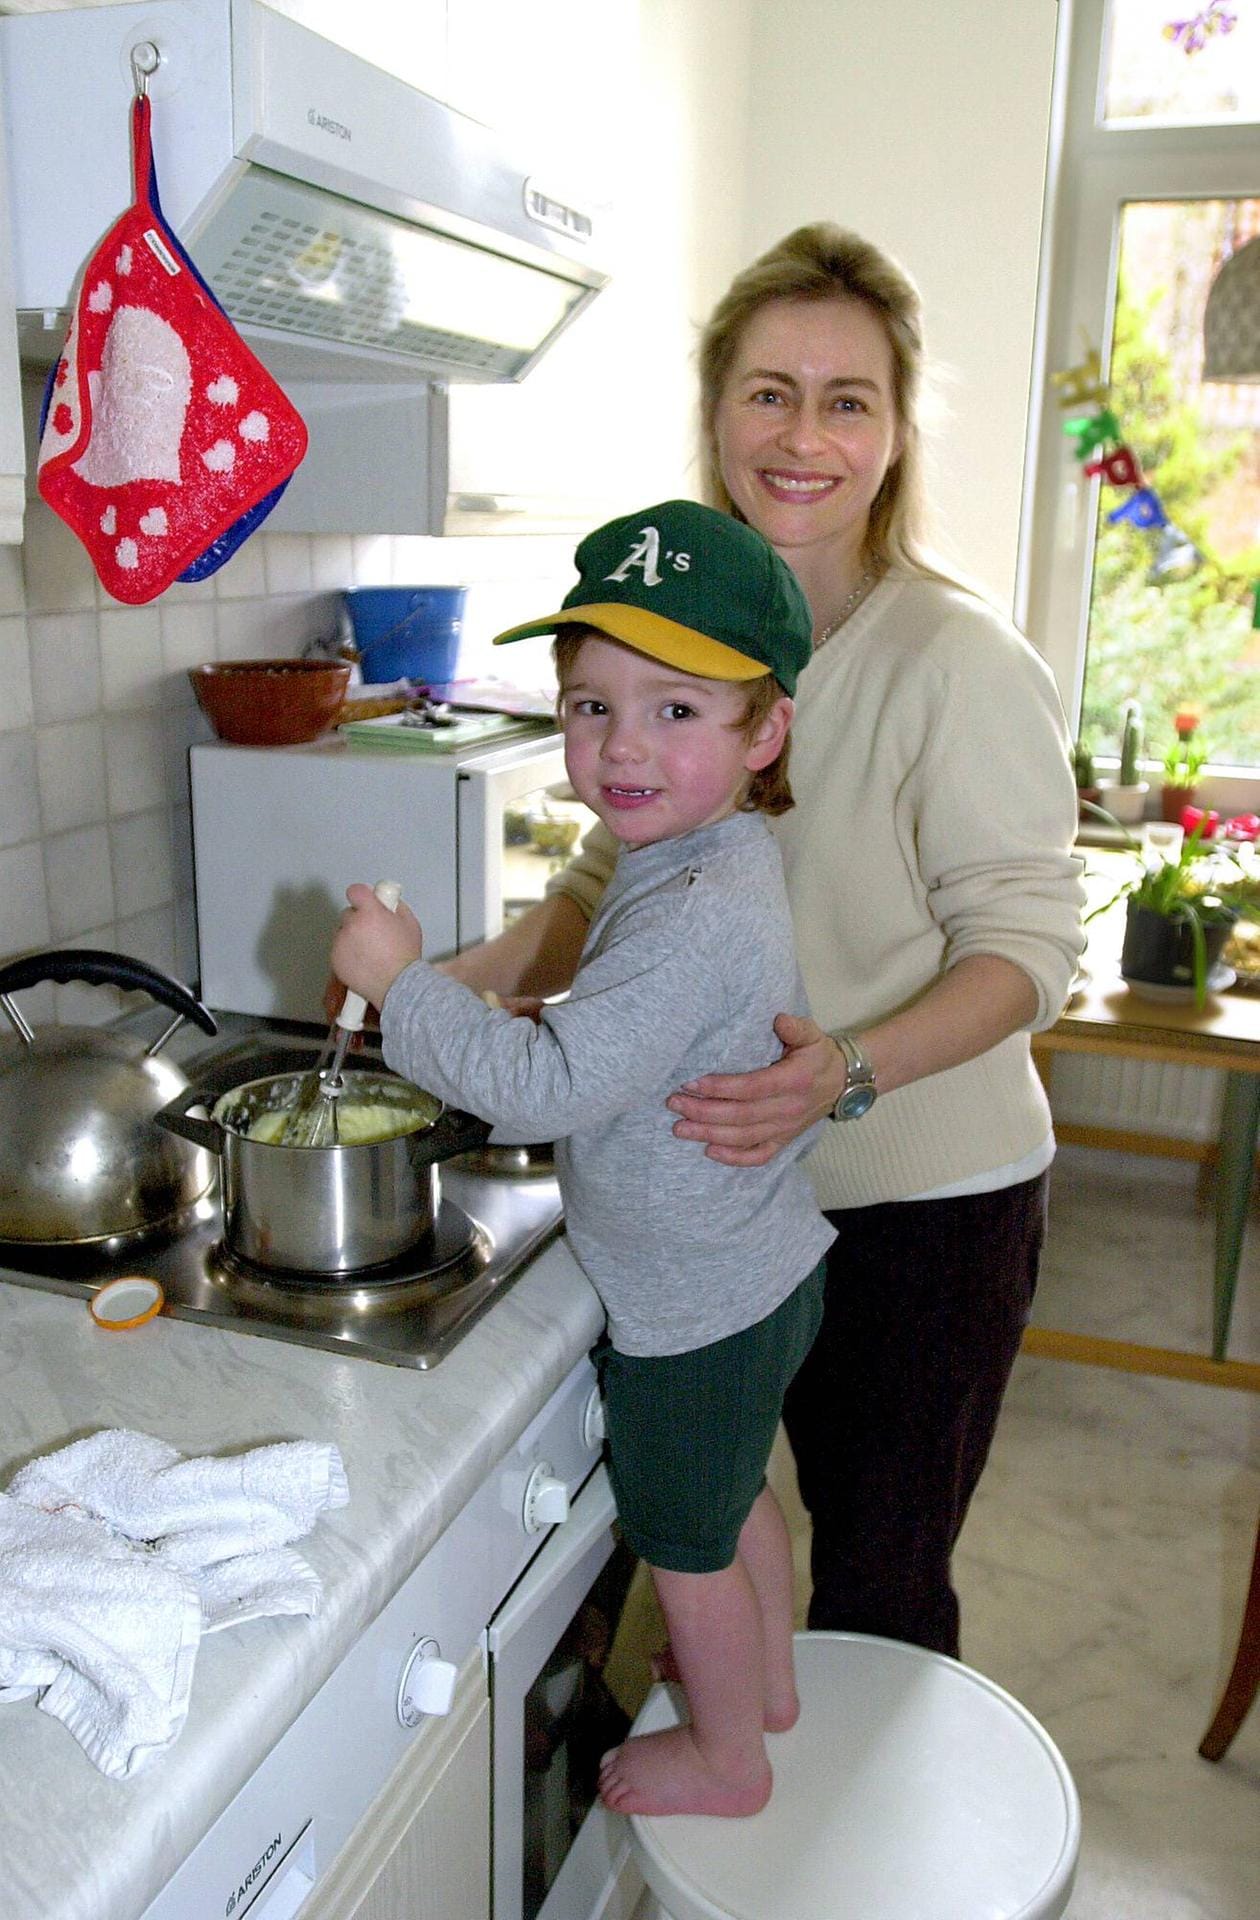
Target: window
1157,183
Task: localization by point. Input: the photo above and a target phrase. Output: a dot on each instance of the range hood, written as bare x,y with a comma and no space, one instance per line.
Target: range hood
353,228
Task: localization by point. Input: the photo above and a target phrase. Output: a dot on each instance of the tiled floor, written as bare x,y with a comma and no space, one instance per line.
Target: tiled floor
1104,1565
1105,1561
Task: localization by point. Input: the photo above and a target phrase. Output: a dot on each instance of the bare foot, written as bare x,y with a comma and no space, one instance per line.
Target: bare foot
666,1773
783,1708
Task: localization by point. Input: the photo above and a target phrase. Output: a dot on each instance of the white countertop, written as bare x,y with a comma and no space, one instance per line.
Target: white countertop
416,1445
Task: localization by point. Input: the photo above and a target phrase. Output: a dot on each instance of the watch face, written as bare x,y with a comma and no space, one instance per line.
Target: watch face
855,1101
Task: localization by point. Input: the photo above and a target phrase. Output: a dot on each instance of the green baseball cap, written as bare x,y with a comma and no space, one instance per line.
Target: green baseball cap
692,587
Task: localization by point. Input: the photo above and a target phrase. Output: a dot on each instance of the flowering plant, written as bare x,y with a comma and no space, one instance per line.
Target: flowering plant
1193,890
1187,757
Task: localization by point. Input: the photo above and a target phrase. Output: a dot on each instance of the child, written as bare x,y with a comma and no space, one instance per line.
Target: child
677,653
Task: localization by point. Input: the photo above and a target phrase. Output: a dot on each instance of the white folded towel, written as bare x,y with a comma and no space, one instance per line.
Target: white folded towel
117,1553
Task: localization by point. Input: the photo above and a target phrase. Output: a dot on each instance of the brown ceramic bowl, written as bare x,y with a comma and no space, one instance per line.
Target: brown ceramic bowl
270,703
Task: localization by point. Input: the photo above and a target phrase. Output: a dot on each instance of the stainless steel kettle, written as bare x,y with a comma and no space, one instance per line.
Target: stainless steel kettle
81,1162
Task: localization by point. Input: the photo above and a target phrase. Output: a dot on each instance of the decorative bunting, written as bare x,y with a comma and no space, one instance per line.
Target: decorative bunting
1176,558
1119,468
1105,454
1082,384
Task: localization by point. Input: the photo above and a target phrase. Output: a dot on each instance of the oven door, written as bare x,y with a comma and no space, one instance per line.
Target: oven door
557,1853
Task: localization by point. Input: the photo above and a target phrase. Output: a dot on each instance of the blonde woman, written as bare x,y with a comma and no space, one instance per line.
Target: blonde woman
936,905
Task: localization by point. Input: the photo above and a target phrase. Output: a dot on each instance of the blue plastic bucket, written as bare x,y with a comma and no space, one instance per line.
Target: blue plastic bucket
407,633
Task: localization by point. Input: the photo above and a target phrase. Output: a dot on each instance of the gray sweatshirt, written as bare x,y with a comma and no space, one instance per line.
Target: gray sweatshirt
686,964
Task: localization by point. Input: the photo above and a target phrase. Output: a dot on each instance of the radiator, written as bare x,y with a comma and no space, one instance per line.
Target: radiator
1137,1096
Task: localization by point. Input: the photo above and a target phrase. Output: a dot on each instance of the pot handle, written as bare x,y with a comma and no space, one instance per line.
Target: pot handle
175,1117
101,969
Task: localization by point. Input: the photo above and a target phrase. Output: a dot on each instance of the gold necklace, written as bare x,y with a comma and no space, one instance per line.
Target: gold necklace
870,575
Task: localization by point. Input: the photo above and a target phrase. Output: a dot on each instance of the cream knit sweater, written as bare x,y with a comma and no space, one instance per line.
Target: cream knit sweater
935,819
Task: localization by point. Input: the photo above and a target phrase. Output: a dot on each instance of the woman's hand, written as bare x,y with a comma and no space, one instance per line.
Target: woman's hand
746,1118
372,945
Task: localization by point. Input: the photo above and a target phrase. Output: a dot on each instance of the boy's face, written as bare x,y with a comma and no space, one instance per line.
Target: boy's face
656,752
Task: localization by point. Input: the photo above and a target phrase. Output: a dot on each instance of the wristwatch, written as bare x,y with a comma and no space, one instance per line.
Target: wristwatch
858,1094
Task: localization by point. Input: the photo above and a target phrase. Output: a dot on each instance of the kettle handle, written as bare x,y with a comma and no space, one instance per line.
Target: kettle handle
175,1117
101,969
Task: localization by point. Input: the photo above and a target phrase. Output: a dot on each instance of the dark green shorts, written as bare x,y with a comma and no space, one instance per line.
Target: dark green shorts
689,1434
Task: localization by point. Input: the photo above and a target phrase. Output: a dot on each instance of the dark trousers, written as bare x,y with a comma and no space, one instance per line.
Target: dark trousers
893,1412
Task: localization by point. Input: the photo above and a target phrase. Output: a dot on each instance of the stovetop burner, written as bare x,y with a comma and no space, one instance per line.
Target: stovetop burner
453,1252
496,1211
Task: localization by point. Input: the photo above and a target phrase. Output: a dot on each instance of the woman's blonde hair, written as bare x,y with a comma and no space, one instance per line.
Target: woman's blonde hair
826,262
768,789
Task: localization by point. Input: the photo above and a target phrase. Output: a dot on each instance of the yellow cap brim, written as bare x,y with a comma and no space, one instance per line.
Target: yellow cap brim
663,640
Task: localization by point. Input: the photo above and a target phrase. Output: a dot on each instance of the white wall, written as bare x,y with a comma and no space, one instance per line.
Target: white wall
923,126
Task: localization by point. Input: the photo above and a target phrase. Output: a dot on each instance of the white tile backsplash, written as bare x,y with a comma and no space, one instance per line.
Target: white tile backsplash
150,936
80,881
373,561
12,581
23,899
244,576
332,563
131,658
287,563
86,1004
71,770
135,762
65,665
59,575
17,708
189,639
19,789
140,855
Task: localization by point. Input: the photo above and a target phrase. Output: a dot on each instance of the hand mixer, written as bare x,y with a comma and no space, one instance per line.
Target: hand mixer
314,1115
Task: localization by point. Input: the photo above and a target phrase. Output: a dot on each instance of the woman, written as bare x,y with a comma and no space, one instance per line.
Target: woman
936,905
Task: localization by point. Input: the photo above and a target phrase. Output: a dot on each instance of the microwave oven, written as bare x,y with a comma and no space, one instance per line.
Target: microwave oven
279,833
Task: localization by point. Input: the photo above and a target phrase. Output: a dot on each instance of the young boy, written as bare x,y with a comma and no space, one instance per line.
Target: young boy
677,653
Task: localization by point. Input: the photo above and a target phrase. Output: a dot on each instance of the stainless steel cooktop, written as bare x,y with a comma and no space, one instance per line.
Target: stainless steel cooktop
499,1207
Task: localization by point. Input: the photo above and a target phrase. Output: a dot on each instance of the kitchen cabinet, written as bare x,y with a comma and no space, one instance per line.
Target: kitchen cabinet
423,1848
12,449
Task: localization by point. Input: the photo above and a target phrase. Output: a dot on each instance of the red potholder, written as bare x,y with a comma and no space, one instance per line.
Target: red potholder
162,430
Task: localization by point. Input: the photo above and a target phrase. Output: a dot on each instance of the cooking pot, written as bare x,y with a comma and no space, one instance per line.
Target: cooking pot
322,1210
81,1162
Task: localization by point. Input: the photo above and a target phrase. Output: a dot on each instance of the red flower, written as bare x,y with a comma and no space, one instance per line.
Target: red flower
1190,818
1186,722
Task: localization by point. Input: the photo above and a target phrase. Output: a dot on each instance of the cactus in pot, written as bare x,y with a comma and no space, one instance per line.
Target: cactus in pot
1125,797
1083,766
1131,744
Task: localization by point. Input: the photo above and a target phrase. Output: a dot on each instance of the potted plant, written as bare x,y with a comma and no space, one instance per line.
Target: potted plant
1179,913
1183,763
1125,797
1087,789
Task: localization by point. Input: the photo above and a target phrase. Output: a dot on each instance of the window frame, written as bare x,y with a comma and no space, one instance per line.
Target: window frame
1092,172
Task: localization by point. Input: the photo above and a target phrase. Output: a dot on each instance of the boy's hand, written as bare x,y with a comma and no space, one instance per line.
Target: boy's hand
334,995
373,945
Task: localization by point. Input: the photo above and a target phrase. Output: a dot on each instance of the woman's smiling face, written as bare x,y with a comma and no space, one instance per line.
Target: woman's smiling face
654,751
806,425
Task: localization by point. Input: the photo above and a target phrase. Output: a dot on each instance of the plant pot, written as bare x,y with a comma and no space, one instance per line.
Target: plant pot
1127,804
1173,799
1160,950
1090,795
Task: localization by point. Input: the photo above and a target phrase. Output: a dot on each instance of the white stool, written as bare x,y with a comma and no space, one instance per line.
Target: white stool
911,1788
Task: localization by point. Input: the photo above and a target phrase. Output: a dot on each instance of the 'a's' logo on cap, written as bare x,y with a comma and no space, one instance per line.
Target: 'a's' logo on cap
646,553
